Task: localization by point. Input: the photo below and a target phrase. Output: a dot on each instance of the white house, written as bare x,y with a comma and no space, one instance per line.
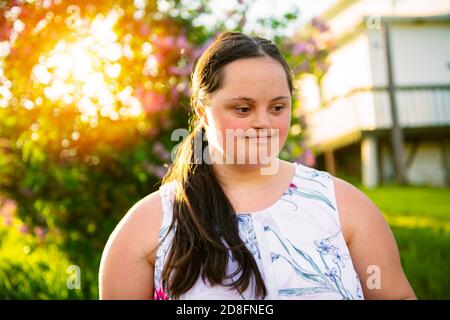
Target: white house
388,85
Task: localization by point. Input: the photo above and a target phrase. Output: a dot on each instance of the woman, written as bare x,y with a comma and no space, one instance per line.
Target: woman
224,227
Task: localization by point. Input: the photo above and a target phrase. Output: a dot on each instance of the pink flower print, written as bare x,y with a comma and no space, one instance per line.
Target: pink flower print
159,294
288,192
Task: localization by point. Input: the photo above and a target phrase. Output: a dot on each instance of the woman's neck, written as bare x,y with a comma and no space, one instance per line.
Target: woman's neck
246,177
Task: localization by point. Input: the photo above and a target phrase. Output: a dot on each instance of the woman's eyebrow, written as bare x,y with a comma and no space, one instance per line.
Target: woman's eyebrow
253,100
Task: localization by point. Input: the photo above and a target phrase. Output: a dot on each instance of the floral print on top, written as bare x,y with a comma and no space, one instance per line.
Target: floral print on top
297,244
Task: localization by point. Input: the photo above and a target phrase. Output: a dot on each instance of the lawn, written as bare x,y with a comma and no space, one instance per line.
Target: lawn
420,220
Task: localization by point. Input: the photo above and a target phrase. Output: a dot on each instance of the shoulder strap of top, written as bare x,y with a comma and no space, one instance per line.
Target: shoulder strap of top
167,193
319,185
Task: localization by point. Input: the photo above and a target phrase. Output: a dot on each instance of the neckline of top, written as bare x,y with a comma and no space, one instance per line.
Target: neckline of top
291,182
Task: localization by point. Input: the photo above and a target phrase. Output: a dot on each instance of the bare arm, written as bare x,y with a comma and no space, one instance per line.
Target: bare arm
372,245
126,268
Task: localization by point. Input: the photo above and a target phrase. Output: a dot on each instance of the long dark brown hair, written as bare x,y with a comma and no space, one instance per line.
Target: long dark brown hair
205,227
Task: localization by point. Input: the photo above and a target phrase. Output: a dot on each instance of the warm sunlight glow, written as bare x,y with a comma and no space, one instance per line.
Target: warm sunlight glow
84,72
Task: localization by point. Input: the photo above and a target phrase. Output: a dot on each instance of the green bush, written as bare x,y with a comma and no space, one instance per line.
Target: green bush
30,269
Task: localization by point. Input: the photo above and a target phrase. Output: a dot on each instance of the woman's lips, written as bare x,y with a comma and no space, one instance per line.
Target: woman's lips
262,138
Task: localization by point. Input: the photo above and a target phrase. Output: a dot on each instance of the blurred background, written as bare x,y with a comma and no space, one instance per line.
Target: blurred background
90,92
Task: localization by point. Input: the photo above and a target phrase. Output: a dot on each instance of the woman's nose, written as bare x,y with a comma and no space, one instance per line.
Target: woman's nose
261,120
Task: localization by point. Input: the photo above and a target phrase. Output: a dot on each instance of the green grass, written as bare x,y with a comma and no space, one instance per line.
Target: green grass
420,220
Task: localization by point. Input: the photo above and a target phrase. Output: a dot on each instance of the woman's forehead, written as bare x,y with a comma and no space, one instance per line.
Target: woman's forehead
251,67
252,79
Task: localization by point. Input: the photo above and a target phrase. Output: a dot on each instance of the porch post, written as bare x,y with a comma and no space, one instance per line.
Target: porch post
396,128
369,159
330,164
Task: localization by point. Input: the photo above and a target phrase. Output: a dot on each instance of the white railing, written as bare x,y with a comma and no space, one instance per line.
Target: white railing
369,109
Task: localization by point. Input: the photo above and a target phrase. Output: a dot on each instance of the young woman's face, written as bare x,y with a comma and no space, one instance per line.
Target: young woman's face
254,107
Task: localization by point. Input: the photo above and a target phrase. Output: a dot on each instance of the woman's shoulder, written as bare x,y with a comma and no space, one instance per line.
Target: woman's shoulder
146,218
139,228
146,213
127,262
371,243
356,209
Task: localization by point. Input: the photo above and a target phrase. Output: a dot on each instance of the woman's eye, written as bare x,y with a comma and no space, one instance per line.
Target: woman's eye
243,109
279,107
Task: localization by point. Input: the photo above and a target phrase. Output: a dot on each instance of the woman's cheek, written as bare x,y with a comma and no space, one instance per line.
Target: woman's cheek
232,128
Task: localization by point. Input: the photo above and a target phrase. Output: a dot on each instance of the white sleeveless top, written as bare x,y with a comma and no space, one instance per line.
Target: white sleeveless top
297,243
